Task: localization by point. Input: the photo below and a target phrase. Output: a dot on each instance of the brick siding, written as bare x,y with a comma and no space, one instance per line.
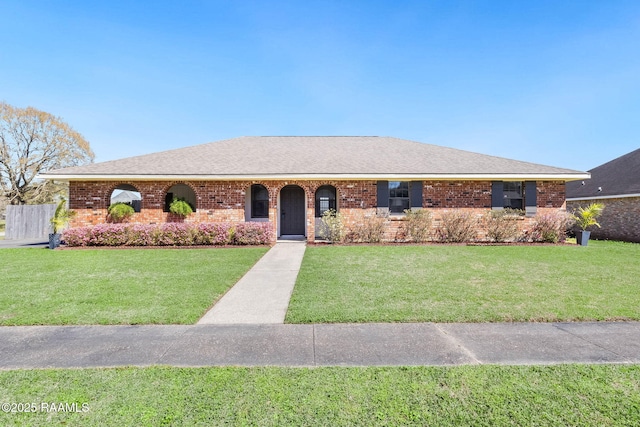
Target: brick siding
224,201
620,219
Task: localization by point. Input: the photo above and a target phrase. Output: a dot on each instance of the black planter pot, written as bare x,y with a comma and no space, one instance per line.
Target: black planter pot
54,240
582,237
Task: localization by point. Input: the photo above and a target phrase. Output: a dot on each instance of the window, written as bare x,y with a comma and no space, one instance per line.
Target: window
180,191
512,195
259,201
325,199
399,196
128,194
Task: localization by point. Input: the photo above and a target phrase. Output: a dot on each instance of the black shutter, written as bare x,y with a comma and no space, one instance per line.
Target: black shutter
530,194
416,194
168,198
497,195
383,194
530,198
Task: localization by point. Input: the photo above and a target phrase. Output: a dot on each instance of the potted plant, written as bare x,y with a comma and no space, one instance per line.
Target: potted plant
585,218
180,207
60,219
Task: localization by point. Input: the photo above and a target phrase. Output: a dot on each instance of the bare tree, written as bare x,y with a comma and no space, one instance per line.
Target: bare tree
32,141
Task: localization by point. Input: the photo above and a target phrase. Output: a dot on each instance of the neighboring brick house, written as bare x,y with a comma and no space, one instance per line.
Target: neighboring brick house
616,184
291,181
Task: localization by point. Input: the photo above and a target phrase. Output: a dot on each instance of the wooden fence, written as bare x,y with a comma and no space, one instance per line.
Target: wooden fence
28,221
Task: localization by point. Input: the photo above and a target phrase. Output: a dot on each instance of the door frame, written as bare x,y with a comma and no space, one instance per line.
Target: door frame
304,201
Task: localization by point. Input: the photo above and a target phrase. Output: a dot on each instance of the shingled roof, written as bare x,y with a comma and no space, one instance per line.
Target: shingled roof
619,177
306,157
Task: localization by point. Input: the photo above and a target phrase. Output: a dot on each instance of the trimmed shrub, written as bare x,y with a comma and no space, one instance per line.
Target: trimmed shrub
551,227
332,226
180,207
502,225
418,224
252,233
367,229
171,234
174,234
458,226
119,212
213,234
139,235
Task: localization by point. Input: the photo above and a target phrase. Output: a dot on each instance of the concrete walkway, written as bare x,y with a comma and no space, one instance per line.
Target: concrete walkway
406,344
262,295
24,243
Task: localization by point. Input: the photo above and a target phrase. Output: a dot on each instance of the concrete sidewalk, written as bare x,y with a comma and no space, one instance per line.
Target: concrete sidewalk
262,294
392,344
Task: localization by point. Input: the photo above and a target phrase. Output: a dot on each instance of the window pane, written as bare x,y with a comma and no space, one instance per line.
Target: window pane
513,195
324,204
398,196
325,199
259,201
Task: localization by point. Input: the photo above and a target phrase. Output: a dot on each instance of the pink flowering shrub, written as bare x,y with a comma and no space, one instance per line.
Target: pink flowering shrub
213,234
170,234
252,233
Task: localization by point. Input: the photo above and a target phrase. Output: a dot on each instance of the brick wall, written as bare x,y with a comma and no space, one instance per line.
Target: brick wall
456,194
620,218
224,201
551,194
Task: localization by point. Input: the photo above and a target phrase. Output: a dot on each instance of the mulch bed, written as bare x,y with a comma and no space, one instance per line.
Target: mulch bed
442,244
73,248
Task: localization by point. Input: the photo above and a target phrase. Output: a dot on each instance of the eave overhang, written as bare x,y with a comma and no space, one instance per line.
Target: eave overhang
336,177
610,196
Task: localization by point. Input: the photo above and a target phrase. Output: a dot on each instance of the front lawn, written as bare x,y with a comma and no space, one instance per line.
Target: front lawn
128,286
585,395
442,283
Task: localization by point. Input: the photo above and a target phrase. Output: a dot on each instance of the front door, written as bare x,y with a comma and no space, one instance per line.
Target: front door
292,210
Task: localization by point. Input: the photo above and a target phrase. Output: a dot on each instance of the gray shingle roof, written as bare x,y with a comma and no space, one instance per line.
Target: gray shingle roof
620,176
312,156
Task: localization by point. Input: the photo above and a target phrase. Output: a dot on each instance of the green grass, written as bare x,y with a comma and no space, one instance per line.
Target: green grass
585,395
444,283
129,286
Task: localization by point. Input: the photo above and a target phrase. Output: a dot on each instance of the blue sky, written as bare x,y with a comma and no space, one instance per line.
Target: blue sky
552,82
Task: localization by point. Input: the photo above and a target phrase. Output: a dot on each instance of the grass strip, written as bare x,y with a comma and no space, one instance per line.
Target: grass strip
586,395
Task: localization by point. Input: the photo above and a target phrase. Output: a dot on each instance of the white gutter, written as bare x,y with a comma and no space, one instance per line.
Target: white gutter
618,196
283,177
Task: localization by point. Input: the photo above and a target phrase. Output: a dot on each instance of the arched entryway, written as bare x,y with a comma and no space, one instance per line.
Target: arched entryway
292,211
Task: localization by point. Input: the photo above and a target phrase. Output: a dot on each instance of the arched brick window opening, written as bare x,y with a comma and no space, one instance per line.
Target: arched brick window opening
180,191
128,194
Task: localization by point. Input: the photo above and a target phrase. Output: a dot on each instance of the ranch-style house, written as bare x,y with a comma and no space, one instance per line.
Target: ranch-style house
290,181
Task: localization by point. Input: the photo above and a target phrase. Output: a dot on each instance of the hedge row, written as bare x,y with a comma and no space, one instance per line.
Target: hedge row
171,234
